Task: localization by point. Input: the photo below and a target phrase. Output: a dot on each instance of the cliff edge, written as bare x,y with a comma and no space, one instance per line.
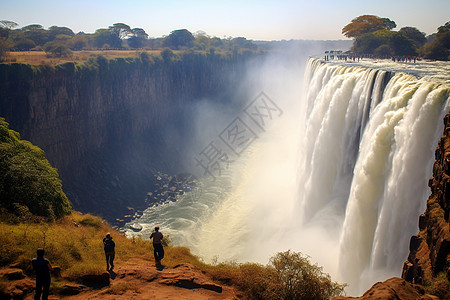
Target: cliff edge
428,262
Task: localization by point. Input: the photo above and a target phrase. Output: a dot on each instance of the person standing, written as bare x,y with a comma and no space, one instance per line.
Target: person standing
158,250
42,267
109,247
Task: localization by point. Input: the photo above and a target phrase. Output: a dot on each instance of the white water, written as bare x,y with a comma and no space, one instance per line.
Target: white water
341,176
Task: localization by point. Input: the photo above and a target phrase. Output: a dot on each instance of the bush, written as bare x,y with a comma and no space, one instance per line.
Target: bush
289,275
259,282
57,49
89,220
28,183
299,279
167,55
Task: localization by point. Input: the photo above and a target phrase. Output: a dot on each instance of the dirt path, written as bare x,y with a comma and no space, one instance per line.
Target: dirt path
138,279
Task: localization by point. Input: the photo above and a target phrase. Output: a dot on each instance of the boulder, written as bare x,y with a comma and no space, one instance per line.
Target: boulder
72,289
95,280
189,277
14,274
56,272
393,289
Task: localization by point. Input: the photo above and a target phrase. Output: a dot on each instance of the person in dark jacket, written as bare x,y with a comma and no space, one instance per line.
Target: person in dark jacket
109,247
158,250
42,267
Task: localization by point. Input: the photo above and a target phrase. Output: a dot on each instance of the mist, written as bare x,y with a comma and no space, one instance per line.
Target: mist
328,175
248,210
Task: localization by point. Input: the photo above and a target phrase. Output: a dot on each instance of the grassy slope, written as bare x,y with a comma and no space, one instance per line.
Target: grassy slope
75,244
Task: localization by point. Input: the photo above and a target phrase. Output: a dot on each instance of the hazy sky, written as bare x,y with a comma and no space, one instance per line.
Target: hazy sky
257,20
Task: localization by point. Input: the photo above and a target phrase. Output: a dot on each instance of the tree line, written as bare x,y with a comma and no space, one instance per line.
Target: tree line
61,41
374,36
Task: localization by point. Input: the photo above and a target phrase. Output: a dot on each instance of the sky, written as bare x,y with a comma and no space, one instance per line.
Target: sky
255,20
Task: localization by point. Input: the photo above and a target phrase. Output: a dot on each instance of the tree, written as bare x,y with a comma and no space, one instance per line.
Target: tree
8,24
56,31
121,30
439,47
366,24
179,38
368,42
384,51
36,33
57,49
32,27
4,48
106,38
139,32
135,42
242,42
27,180
138,38
402,45
415,35
24,45
384,43
79,42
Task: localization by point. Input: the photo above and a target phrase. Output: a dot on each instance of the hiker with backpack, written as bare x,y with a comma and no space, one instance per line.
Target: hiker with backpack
109,245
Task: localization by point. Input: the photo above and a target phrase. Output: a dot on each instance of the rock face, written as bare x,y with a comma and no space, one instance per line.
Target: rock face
394,288
107,125
189,277
428,263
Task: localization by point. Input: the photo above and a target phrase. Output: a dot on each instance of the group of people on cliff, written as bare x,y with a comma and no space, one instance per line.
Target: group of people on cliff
42,266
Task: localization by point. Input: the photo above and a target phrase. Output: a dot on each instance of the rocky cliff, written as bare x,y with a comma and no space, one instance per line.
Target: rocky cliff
428,263
103,124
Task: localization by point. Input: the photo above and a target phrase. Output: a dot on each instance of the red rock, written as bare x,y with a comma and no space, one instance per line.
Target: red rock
393,289
430,249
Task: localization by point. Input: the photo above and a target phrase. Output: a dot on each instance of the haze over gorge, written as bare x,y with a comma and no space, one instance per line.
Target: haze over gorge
339,169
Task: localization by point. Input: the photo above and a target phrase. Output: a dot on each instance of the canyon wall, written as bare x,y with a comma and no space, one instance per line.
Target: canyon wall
102,124
428,263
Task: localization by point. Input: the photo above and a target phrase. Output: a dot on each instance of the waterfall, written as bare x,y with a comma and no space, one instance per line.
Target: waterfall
370,140
340,176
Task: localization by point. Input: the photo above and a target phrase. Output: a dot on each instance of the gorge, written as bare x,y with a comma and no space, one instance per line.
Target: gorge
340,174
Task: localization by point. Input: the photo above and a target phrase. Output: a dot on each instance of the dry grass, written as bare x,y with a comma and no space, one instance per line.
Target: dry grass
75,244
40,57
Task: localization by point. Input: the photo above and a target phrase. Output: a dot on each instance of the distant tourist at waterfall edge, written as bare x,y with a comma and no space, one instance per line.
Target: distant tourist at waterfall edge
42,267
158,250
109,247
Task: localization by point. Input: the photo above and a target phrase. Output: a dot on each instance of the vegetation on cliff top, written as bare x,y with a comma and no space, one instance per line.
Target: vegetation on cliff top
374,36
28,183
60,42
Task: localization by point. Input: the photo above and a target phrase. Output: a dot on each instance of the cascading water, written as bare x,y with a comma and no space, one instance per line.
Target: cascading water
370,137
341,176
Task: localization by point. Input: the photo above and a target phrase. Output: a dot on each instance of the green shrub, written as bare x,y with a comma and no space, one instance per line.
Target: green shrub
92,221
28,183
